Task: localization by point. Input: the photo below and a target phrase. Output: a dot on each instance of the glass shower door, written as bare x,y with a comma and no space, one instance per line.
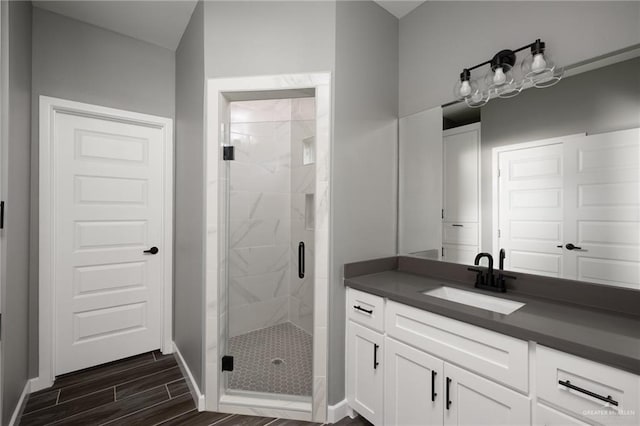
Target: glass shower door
268,190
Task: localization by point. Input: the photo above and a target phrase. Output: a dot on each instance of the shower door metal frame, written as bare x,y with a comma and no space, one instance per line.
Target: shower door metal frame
216,310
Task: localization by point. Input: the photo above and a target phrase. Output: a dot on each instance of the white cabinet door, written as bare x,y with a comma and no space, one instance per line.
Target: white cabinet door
413,386
602,208
473,400
456,253
365,372
461,183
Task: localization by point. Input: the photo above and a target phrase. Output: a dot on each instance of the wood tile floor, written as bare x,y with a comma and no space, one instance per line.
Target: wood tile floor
146,389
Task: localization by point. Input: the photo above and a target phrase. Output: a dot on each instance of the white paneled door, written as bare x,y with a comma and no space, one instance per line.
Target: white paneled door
571,209
108,202
530,200
602,213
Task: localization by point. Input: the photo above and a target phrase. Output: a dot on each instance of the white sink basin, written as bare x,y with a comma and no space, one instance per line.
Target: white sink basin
490,303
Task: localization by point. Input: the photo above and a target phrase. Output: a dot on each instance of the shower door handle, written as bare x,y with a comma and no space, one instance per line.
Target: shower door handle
301,260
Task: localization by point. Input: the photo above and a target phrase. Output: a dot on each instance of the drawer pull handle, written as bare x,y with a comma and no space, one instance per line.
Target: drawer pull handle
360,308
433,385
375,356
447,395
458,225
608,398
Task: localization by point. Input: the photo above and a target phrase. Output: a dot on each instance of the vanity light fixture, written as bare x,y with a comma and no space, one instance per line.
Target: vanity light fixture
506,77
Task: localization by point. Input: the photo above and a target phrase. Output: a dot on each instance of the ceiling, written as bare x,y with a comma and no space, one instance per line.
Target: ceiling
399,8
158,22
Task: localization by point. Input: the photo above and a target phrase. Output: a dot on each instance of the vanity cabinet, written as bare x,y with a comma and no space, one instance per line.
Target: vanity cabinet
365,354
424,390
461,189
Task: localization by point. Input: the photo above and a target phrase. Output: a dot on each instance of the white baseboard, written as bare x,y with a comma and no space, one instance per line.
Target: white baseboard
38,383
337,412
198,397
17,413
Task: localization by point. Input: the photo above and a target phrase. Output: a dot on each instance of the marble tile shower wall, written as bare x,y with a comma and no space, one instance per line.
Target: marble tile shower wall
263,183
259,231
303,181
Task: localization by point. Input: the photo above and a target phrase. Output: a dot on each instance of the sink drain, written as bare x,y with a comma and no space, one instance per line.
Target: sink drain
277,361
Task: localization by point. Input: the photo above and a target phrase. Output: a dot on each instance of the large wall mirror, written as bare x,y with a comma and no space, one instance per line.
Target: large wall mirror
552,176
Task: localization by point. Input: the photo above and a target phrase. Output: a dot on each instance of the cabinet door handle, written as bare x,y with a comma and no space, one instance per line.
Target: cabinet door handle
608,398
433,385
375,356
360,308
448,391
458,225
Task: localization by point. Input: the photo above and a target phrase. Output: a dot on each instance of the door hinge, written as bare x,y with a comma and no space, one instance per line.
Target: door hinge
442,251
228,153
227,363
1,214
498,172
499,233
442,213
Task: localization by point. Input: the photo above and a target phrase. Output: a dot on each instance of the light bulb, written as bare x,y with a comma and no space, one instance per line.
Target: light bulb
539,64
499,77
465,89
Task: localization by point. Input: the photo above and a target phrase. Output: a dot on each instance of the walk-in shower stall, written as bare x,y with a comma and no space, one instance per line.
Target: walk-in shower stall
268,225
270,191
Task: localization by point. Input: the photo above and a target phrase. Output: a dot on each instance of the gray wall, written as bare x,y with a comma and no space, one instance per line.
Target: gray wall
80,62
15,300
440,38
188,297
262,38
364,179
598,101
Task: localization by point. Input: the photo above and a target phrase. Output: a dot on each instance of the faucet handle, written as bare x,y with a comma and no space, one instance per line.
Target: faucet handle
479,277
502,275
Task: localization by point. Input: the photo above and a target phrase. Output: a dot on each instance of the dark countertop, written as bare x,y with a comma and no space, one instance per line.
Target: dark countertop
600,335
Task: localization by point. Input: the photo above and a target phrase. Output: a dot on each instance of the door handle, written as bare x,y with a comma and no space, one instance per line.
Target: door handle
301,260
572,247
375,356
433,385
448,392
152,250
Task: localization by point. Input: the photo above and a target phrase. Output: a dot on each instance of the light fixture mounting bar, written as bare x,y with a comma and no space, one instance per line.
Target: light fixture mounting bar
538,44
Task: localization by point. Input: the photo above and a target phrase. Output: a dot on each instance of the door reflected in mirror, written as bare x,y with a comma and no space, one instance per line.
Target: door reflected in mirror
551,176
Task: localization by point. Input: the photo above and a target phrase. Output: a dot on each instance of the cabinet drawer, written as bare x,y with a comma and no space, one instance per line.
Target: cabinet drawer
592,381
460,233
501,358
366,309
547,416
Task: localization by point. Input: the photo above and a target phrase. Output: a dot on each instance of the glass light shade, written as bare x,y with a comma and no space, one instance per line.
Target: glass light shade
479,96
540,70
548,78
500,81
464,89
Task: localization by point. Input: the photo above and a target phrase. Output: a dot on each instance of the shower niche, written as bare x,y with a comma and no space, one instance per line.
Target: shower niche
269,199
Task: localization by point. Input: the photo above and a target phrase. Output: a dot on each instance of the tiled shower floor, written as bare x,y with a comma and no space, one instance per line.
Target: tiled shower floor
256,357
